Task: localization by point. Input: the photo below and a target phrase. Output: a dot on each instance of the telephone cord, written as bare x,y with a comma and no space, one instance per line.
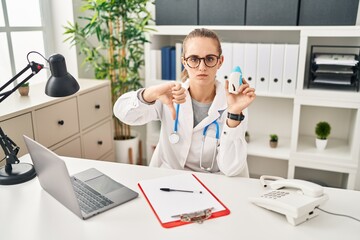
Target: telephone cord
338,214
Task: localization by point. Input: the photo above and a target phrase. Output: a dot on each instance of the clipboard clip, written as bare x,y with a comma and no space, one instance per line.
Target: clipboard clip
196,217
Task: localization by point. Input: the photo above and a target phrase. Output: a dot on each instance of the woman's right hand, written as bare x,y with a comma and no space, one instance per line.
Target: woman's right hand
168,93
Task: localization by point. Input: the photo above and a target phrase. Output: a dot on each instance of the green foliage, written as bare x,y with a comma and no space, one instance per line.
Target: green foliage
111,36
274,137
322,130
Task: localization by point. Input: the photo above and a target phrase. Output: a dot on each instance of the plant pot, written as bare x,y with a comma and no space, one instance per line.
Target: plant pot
321,144
24,91
273,144
122,149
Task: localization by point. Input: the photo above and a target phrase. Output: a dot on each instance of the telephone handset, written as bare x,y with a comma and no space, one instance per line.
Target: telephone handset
296,199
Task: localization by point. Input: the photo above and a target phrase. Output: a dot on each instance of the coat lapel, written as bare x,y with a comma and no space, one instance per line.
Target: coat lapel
216,109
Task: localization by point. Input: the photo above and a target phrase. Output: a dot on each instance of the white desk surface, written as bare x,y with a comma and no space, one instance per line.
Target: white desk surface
28,212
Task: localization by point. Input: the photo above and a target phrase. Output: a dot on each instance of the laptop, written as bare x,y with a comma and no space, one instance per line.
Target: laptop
86,194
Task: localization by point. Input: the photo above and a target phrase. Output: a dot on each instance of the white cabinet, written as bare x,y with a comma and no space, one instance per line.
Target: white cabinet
56,122
291,113
14,128
77,126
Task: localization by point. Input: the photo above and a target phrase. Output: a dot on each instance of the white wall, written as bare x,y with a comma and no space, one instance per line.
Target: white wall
62,12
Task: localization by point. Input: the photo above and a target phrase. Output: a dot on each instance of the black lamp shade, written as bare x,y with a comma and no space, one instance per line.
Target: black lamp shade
60,83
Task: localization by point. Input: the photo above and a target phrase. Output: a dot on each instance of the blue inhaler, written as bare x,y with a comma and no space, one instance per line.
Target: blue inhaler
235,79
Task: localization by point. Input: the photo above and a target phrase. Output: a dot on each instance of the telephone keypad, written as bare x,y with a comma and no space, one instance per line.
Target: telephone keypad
275,194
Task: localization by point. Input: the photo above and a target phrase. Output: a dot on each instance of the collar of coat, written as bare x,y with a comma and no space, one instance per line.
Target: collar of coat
217,107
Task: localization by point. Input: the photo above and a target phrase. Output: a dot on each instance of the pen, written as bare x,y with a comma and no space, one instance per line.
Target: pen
178,190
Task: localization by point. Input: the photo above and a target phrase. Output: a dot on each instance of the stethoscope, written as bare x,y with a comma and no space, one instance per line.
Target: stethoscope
174,138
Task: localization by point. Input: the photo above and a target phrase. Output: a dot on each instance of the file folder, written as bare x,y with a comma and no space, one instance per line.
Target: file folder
263,68
227,66
250,61
290,68
276,68
166,60
169,206
155,64
172,63
179,66
238,55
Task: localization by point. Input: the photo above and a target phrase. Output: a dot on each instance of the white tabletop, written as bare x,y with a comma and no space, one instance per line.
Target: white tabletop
28,212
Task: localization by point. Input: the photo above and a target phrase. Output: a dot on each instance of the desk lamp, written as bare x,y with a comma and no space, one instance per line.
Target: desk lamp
60,84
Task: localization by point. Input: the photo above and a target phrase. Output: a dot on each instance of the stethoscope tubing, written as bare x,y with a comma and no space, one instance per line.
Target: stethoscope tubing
174,138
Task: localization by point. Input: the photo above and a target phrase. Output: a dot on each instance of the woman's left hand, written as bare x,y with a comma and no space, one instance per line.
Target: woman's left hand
240,100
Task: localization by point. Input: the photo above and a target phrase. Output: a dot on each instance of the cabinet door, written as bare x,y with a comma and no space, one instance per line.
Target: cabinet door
56,122
94,106
15,128
98,141
70,149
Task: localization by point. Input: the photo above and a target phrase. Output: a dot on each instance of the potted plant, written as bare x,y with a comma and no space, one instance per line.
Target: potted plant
322,131
111,36
24,89
273,140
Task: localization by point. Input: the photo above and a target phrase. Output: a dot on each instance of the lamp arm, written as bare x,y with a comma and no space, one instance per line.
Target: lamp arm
35,68
10,149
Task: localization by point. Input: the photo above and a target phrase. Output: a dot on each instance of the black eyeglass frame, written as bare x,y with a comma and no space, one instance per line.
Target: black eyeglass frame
212,55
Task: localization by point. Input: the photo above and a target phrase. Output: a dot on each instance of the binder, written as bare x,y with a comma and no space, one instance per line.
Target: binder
276,68
179,67
155,69
226,68
172,63
165,62
290,68
250,61
169,207
263,67
238,55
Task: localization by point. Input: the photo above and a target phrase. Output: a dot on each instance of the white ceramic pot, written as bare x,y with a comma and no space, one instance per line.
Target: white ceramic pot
321,144
122,149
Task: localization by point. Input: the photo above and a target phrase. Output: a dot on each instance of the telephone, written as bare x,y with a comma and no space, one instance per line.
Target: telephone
296,199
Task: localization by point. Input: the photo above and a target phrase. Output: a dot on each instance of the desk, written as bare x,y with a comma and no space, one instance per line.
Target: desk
28,212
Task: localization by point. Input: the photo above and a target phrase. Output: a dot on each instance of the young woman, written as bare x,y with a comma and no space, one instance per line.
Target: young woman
202,125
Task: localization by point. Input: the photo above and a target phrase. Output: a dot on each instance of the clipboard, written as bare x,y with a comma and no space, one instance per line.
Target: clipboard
174,209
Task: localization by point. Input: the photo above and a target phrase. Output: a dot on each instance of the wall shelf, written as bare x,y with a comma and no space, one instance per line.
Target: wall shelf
291,116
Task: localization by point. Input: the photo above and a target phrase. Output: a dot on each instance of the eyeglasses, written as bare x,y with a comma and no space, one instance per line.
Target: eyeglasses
209,60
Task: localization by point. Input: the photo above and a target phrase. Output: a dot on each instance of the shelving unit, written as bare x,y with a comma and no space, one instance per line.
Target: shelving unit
291,116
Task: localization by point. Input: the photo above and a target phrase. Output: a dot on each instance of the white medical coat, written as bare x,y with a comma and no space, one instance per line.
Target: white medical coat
231,152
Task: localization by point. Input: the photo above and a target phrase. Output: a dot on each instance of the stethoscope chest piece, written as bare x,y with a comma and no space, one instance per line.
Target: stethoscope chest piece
174,138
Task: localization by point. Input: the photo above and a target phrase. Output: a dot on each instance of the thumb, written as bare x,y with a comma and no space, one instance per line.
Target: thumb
172,110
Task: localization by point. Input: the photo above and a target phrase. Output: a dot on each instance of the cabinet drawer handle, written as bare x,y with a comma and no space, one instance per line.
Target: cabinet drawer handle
97,106
61,122
289,81
276,80
249,78
262,79
99,142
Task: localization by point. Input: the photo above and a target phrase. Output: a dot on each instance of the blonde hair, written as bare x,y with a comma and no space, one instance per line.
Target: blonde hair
199,32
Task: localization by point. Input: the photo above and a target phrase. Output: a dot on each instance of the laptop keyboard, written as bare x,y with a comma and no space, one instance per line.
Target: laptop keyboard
89,199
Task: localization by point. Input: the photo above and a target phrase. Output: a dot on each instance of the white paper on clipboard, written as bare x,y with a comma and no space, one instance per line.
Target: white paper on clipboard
169,204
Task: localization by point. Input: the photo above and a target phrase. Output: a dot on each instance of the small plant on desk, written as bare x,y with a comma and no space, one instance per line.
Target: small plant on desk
273,140
24,89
